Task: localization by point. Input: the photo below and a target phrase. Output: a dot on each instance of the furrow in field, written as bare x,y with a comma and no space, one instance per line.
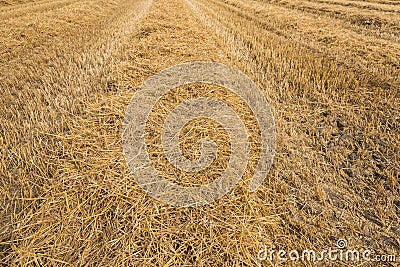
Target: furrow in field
26,5
383,2
58,58
389,23
170,34
9,3
30,10
21,4
357,23
274,44
45,78
26,36
309,88
68,75
362,5
376,57
386,32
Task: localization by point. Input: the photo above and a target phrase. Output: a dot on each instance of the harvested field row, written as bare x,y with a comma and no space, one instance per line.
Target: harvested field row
29,10
334,108
99,202
67,75
387,2
18,2
362,5
360,24
335,8
46,76
379,59
388,23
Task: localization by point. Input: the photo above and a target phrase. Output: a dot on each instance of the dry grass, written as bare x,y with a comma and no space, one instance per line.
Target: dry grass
382,19
69,68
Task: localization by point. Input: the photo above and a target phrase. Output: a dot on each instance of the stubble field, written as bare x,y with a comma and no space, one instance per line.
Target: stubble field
328,68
